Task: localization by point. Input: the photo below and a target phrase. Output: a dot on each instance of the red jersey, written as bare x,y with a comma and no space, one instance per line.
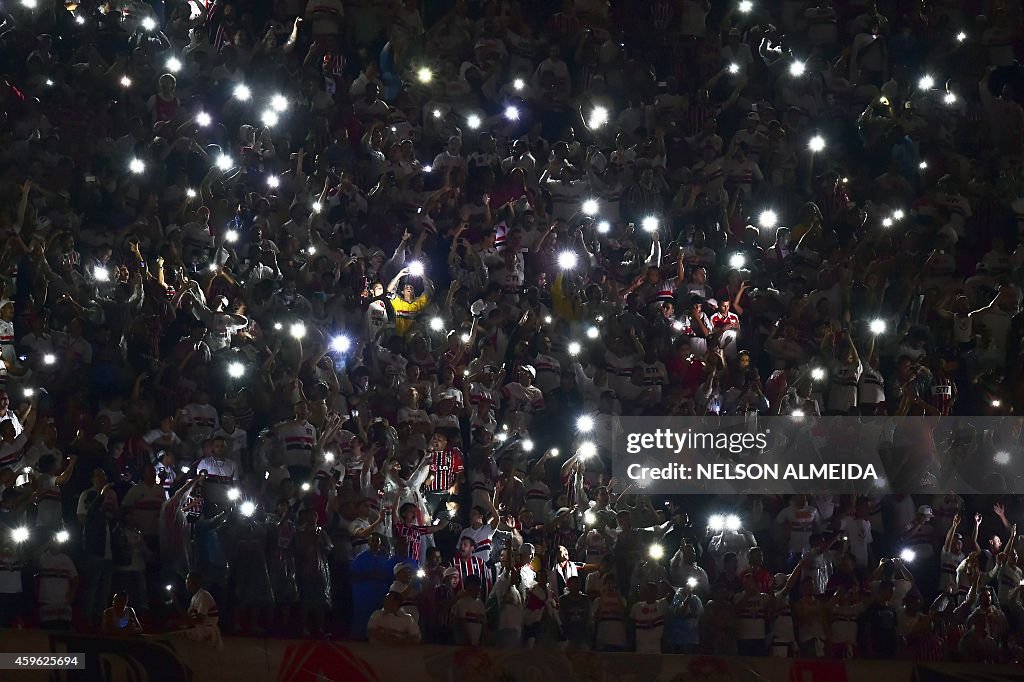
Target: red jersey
445,468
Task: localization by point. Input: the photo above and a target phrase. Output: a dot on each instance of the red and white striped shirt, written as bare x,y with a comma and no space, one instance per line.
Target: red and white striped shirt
474,566
445,467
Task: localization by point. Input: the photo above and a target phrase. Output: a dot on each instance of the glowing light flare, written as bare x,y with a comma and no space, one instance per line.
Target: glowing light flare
567,260
236,370
242,92
656,552
173,65
416,268
297,330
341,344
816,144
585,423
877,326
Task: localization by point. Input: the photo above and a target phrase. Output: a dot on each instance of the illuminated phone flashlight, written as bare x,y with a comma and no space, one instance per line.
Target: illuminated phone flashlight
79,19
512,113
231,236
297,330
734,68
269,118
816,144
101,274
818,374
797,69
317,207
328,456
420,573
473,121
306,487
428,169
464,337
567,260
173,65
1002,458
224,162
949,98
148,23
589,518
554,452
593,333
898,214
768,219
604,227
587,449
877,326
236,370
716,523
311,250
678,325
49,83
591,207
424,75
279,103
247,508
887,222
126,82
797,414
732,523
745,6
436,324
501,437
203,119
996,402
961,37
416,268
62,536
908,555
266,475
585,423
241,92
656,552
923,165
926,82
691,582
169,588
737,261
234,494
190,193
598,117
548,319
20,534
273,181
341,343
527,445
185,470
49,359
137,166
212,267
649,224
518,84
437,113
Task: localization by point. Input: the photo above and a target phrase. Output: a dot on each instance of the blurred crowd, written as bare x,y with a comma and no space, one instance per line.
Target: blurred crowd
315,316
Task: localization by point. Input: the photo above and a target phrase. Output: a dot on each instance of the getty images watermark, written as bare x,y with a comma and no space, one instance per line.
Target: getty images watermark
783,455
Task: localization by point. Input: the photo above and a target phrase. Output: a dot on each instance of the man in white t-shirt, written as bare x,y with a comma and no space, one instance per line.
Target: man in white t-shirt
391,625
57,580
202,622
648,616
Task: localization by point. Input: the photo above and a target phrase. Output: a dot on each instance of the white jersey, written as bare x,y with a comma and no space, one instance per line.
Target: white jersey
649,621
56,571
222,471
298,440
200,421
482,537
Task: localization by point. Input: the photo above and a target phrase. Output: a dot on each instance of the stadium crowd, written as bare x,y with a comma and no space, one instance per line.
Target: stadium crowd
314,316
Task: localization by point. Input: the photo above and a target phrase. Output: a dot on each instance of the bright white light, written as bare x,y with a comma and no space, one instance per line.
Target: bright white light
273,181
649,224
297,330
203,119
231,236
717,523
62,536
511,113
270,118
473,121
424,75
428,169
567,260
501,437
886,222
527,445
190,193
926,82
737,261
818,374
341,343
437,113
593,333
464,337
174,65
797,69
518,84
691,582
732,523
907,556
242,92
1002,458
101,274
898,214
877,326
126,82
169,588
816,144
574,348
224,162
950,98
587,449
20,534
745,6
923,165
589,518
328,456
436,324
798,413
656,552
548,319
997,403
137,166
554,452
306,487
416,268
234,494
279,103
678,325
29,392
247,508
585,423
278,326
185,470
148,23
79,19
604,227
236,370
768,219
598,117
49,82
734,68
49,359
961,37
591,207
420,573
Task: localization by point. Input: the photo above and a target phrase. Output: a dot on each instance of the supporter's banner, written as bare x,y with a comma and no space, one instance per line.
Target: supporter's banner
804,454
162,659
